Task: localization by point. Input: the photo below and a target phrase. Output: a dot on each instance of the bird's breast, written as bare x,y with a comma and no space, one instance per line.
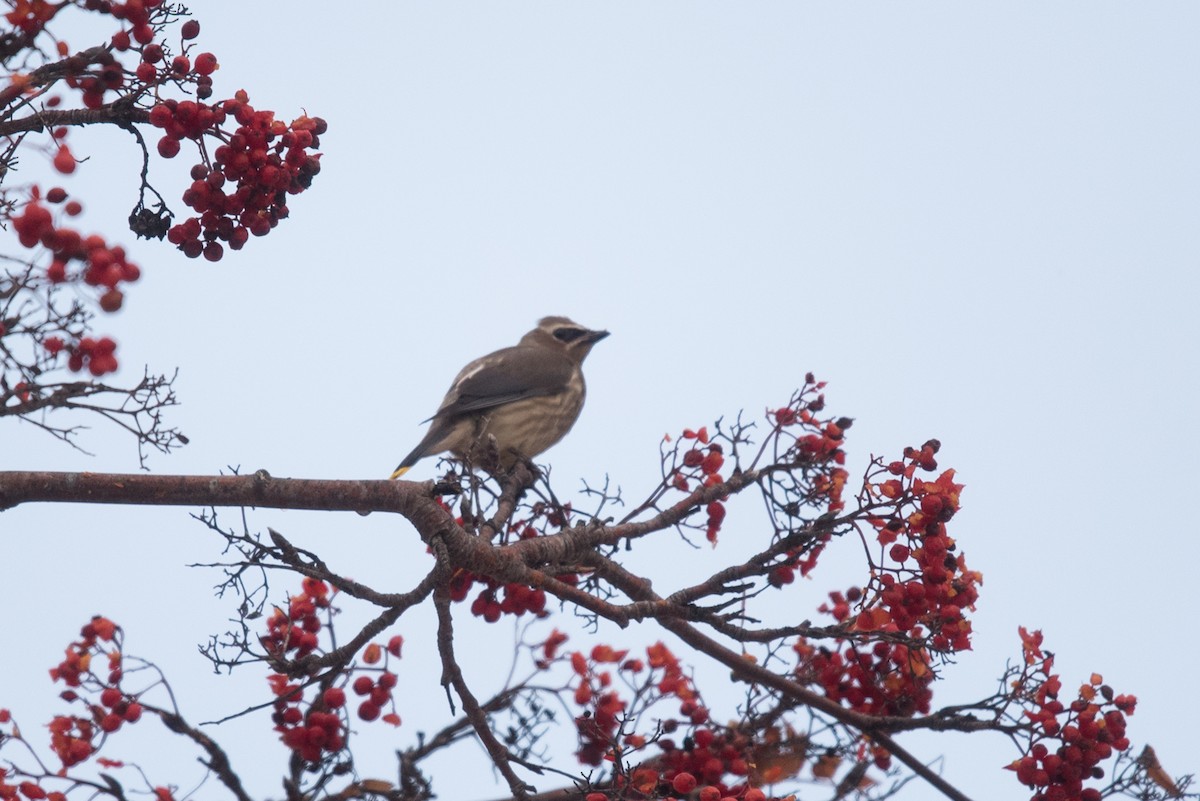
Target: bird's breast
531,425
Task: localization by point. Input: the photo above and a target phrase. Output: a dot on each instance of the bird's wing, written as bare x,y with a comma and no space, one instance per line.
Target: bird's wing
505,376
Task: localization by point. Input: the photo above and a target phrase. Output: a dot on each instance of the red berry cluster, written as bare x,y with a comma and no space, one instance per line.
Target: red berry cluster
296,629
100,265
76,667
30,16
73,737
699,766
597,727
882,679
929,589
377,694
707,756
1067,743
814,446
93,76
702,466
245,188
313,733
816,442
378,691
154,69
28,789
121,709
98,355
318,730
517,599
497,599
145,18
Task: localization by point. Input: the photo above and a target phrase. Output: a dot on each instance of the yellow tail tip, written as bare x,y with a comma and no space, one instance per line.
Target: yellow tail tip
399,472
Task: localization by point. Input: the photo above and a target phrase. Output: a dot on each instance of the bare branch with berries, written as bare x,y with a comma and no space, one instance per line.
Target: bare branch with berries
821,703
149,76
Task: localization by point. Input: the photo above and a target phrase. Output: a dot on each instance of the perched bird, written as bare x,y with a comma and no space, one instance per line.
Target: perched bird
526,397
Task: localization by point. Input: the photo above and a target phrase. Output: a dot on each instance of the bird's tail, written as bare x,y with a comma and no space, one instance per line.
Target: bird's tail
432,442
417,454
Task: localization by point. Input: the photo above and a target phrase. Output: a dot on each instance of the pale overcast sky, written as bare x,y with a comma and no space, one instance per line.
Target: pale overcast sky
976,221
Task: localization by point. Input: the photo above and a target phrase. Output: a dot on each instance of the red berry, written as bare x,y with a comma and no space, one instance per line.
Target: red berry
168,147
368,711
781,575
335,697
684,783
190,29
206,64
161,115
64,162
111,300
363,685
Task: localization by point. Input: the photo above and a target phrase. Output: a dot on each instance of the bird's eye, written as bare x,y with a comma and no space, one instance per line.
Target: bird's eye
568,334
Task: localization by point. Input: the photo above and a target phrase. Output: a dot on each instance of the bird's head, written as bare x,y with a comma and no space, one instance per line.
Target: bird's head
563,335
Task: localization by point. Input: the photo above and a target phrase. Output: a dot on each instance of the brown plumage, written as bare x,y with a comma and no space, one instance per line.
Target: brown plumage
526,397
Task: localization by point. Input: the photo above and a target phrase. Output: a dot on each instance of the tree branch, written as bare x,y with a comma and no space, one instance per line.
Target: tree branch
113,113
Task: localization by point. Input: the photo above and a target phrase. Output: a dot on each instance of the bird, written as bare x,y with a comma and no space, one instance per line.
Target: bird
526,397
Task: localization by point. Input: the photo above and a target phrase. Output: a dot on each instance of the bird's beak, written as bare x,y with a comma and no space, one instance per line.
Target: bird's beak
592,337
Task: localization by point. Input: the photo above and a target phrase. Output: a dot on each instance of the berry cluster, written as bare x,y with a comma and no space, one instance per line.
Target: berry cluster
240,191
244,189
813,446
496,598
27,789
73,738
881,679
77,258
710,762
597,726
30,16
930,586
313,733
318,729
96,71
1067,743
377,692
296,629
702,466
814,442
98,355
